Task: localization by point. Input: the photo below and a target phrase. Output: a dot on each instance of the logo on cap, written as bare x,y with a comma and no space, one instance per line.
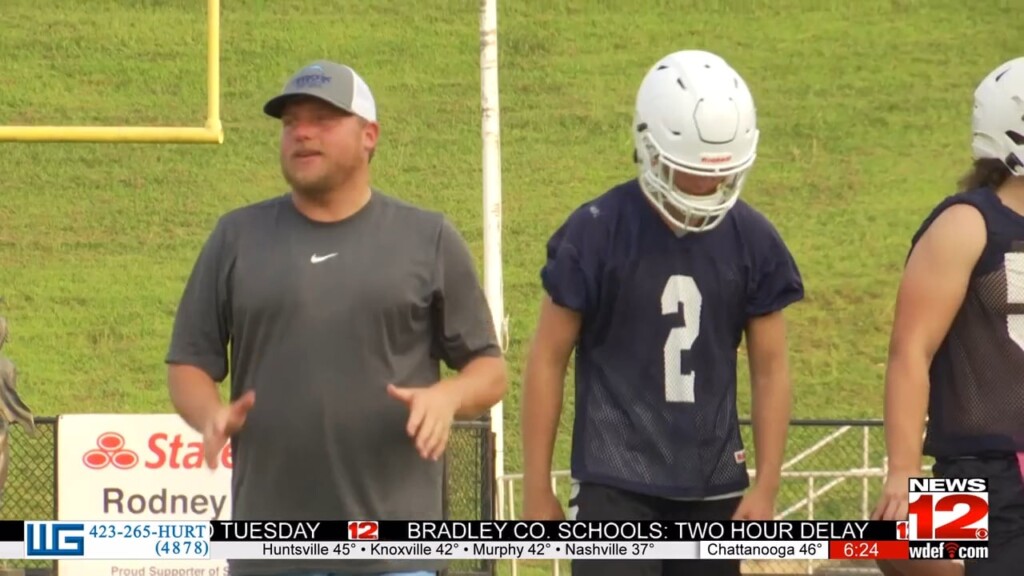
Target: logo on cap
314,78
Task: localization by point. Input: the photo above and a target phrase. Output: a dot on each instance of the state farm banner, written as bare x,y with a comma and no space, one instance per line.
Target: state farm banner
138,467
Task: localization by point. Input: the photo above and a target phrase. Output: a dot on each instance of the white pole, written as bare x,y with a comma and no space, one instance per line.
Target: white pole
492,206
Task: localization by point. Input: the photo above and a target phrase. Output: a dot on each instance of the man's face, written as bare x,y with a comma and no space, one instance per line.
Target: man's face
693,185
322,146
696,185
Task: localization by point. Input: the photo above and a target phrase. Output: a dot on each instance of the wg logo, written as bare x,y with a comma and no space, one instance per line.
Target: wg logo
53,539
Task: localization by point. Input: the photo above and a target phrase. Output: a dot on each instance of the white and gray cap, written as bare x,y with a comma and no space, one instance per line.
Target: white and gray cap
334,83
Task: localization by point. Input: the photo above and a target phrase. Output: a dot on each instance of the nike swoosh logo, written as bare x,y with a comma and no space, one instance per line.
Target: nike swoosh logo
317,259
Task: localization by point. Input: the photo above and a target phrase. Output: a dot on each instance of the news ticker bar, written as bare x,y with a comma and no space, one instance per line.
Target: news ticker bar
795,550
452,540
472,530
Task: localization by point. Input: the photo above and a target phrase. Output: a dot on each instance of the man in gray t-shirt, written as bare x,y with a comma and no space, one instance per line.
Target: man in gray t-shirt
338,304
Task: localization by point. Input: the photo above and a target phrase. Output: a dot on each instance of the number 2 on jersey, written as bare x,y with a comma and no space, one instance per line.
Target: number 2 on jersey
680,295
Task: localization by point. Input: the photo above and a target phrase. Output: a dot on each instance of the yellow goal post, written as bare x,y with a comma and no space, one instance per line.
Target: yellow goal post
211,133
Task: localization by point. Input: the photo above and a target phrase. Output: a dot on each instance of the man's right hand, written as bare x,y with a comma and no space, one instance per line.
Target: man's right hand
540,503
895,497
226,422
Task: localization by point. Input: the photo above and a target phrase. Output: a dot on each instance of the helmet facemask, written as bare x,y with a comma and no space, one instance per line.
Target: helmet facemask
686,211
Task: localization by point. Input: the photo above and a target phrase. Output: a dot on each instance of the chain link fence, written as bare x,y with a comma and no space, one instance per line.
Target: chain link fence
833,470
30,490
469,485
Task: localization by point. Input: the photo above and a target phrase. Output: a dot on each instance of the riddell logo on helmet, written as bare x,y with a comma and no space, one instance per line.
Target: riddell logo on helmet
165,451
715,158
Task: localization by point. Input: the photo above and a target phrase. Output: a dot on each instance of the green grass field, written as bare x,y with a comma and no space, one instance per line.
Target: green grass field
864,109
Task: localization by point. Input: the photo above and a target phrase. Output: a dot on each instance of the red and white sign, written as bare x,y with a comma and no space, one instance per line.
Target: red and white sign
946,509
137,467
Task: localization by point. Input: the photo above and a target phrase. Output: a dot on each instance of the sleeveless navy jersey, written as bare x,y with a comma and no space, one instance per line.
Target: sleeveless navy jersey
662,319
976,398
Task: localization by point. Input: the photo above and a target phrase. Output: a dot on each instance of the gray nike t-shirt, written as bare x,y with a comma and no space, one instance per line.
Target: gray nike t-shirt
319,319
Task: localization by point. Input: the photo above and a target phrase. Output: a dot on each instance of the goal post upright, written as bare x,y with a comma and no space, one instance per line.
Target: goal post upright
492,208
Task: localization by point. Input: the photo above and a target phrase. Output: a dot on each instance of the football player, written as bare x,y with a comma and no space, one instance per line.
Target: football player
654,283
956,354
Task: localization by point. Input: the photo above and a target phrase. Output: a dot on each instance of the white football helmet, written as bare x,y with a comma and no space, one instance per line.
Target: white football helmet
998,122
694,114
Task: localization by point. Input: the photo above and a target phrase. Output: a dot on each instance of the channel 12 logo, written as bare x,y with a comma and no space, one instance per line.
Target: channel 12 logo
946,509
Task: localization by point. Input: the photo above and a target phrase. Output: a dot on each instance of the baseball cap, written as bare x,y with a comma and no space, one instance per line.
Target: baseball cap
334,83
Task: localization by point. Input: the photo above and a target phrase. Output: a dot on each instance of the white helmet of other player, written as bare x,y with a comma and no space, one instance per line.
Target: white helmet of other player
998,122
695,127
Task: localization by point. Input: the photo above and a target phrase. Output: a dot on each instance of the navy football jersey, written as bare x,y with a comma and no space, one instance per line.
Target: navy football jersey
976,403
662,318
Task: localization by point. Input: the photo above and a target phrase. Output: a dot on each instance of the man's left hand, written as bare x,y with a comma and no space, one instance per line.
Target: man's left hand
431,412
757,504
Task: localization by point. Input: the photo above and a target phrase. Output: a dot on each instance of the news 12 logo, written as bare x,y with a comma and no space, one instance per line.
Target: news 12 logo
362,530
946,509
54,539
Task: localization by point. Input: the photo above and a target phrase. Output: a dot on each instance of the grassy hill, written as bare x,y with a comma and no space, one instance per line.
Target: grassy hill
864,110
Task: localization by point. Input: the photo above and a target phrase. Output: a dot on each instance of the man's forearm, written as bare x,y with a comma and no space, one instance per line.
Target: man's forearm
541,412
906,408
479,386
772,403
194,395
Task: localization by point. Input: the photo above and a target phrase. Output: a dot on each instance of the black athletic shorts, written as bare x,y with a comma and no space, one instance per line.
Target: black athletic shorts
597,502
1006,511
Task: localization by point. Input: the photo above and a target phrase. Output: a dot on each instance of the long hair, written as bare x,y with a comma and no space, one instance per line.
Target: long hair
984,172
